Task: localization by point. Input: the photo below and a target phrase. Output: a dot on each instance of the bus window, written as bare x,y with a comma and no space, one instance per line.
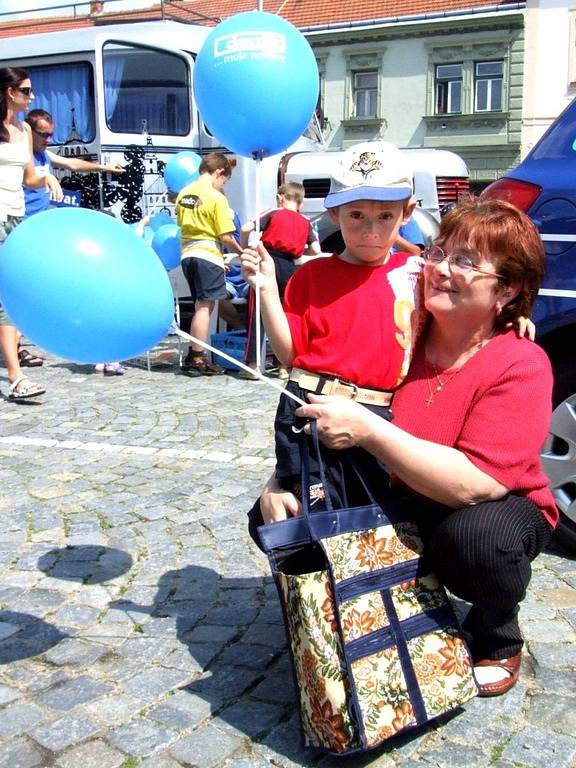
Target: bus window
67,92
145,91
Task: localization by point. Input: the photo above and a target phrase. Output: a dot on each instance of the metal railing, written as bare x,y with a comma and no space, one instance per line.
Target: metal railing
104,12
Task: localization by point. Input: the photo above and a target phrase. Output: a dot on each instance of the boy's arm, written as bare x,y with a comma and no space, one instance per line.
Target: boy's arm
258,270
229,242
313,249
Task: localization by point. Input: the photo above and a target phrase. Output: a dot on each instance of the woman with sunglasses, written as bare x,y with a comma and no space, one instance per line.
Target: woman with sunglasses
16,168
462,451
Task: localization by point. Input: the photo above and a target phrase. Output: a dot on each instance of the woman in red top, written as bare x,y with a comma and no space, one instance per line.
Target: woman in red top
469,422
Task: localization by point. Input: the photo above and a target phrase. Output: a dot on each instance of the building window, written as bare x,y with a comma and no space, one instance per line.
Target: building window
365,94
448,89
488,86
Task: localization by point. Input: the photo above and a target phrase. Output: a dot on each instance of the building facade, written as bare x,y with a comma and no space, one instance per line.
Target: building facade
483,79
451,83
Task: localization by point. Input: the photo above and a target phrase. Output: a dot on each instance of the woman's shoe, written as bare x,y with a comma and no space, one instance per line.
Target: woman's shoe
510,666
24,389
113,369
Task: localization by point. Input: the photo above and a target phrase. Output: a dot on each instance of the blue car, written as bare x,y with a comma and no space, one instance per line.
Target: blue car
544,185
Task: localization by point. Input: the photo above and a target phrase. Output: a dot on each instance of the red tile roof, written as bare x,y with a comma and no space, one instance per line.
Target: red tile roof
301,13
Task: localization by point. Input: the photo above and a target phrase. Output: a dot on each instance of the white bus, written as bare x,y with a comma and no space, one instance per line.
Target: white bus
123,94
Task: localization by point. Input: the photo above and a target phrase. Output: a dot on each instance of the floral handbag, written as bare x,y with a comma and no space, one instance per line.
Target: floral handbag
375,644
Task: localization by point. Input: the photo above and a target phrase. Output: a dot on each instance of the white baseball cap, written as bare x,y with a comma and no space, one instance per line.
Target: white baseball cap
372,170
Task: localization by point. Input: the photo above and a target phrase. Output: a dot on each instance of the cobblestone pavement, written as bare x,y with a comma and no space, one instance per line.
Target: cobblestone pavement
139,625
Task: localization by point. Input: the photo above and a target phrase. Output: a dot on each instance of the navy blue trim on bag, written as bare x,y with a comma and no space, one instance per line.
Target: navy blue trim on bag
405,661
305,529
382,579
381,639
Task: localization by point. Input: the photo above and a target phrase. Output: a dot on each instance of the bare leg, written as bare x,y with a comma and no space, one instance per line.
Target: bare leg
9,348
200,323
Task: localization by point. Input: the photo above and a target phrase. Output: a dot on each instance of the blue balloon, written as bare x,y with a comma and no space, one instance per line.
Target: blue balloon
256,83
84,286
166,244
182,169
159,219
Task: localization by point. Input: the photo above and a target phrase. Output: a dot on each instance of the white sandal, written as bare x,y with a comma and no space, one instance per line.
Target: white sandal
23,389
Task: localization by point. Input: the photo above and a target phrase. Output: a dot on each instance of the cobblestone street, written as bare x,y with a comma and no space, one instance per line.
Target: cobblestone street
139,626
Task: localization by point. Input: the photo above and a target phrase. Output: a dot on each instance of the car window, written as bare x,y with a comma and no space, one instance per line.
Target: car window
560,140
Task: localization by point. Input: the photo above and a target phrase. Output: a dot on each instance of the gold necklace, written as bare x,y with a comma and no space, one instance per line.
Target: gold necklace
433,391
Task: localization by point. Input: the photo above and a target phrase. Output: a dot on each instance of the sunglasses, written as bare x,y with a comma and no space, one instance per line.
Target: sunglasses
26,90
44,134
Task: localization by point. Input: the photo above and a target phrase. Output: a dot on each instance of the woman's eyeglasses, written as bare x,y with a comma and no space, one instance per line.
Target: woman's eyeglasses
461,261
25,89
44,134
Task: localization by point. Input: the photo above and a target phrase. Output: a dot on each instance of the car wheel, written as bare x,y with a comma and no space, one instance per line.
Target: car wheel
559,462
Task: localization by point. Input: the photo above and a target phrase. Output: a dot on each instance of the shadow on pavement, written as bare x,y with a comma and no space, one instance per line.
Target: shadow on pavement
85,563
233,631
23,635
233,636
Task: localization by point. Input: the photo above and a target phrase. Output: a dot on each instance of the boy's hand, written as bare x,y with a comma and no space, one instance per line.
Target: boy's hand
526,328
258,267
277,504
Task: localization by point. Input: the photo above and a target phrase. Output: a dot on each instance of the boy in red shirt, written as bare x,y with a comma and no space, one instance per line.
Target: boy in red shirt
349,321
287,235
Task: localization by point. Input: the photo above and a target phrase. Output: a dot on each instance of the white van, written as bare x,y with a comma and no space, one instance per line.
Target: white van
441,177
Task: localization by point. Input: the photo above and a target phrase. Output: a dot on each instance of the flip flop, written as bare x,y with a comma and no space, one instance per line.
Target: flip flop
28,360
23,389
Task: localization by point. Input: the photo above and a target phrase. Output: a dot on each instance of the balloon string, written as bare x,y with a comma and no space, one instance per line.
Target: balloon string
258,323
257,373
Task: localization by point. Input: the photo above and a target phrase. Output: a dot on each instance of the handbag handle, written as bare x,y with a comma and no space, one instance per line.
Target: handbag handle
305,470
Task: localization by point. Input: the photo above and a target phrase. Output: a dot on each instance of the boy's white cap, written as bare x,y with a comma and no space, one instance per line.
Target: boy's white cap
372,170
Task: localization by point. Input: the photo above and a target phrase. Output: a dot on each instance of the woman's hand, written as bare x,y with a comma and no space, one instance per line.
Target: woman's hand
277,504
341,423
258,267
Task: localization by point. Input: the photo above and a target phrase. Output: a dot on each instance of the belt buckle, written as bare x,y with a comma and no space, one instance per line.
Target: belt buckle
350,385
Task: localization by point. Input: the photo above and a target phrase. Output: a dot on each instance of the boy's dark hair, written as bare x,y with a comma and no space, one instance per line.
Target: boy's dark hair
217,161
35,115
292,190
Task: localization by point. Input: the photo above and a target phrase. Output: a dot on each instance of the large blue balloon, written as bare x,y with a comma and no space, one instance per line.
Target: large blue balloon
256,83
182,169
166,244
84,286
